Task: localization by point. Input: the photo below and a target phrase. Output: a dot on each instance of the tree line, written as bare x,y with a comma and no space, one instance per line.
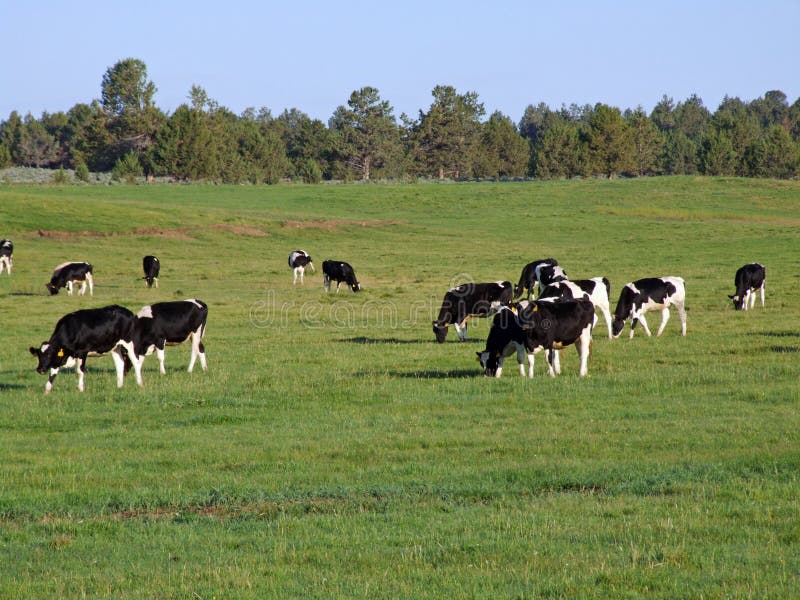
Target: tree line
126,133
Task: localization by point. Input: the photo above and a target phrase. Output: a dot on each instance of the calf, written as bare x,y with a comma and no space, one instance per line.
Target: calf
298,261
505,338
470,300
338,271
170,323
6,256
597,289
749,278
644,295
527,278
69,273
551,326
89,332
151,266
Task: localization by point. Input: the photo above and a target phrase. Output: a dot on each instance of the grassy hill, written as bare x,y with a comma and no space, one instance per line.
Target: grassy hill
333,449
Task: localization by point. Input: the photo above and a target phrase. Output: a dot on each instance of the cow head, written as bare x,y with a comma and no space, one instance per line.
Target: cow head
617,325
49,357
355,286
440,330
490,362
52,288
738,301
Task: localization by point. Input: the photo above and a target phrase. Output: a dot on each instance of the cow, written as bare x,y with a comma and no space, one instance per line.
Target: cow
527,278
171,323
547,274
644,295
506,337
151,266
470,300
88,332
596,288
551,325
69,273
748,280
339,271
6,256
298,261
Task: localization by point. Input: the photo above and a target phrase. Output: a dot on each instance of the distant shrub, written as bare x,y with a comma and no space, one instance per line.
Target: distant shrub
309,171
82,172
5,157
61,177
127,168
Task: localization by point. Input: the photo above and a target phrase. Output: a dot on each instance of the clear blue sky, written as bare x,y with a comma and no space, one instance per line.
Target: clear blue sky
311,55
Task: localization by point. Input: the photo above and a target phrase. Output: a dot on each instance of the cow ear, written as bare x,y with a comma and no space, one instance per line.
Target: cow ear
731,297
479,354
34,351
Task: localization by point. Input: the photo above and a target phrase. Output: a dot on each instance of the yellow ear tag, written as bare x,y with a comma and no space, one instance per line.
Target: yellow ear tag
61,352
535,308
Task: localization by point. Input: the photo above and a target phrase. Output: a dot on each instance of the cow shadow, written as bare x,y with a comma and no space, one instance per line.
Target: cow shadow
371,340
780,334
438,374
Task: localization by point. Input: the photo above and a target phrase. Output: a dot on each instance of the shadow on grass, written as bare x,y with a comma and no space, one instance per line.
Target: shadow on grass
5,387
784,349
369,340
780,334
433,374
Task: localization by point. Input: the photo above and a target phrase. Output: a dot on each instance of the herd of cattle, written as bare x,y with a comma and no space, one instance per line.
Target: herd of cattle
563,314
114,329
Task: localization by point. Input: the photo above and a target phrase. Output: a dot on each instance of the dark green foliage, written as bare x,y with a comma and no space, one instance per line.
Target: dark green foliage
127,168
82,172
203,141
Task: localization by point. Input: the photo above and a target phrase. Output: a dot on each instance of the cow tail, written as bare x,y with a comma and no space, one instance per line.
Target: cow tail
607,283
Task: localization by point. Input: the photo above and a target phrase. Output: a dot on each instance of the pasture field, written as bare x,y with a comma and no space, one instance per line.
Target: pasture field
333,449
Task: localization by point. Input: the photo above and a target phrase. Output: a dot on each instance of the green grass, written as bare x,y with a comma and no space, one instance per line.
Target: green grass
333,449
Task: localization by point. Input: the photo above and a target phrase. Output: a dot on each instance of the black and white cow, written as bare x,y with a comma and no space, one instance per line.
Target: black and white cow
470,300
551,325
171,323
547,274
151,266
89,332
298,261
506,337
527,279
645,295
596,288
6,256
749,279
69,273
339,271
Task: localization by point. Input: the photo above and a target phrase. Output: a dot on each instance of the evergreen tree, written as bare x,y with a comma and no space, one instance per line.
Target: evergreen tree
504,153
611,146
647,142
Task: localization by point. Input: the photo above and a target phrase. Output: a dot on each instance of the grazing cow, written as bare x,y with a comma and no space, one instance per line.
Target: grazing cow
597,288
527,278
298,261
69,273
644,295
338,271
171,323
89,332
6,256
749,278
151,266
506,337
547,274
552,325
470,300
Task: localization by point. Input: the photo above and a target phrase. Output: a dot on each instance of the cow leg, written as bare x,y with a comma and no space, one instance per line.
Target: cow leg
682,316
119,364
338,283
556,354
302,275
49,385
202,354
607,316
80,363
155,280
161,356
137,363
82,290
326,283
195,348
90,281
584,346
521,354
762,288
461,330
549,360
752,299
294,276
664,319
69,288
644,325
499,372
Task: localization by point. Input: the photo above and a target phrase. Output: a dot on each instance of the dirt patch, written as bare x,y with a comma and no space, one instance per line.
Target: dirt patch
180,233
332,224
